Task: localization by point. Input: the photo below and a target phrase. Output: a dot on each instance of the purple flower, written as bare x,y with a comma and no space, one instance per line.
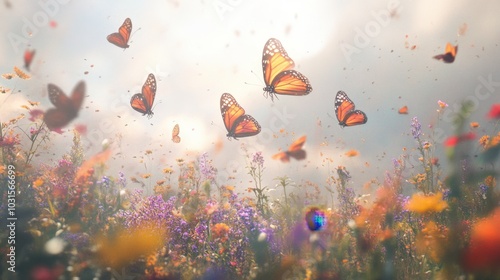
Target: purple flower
258,159
416,128
207,170
121,179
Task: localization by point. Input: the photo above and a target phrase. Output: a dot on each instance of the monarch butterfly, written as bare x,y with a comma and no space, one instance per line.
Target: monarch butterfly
403,110
295,151
66,107
120,38
143,102
237,123
28,58
175,134
344,109
449,55
279,76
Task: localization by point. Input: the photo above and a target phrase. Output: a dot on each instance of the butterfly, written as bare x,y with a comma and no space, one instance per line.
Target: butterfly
344,109
237,123
143,102
449,55
28,58
120,38
279,76
403,110
295,151
66,107
175,134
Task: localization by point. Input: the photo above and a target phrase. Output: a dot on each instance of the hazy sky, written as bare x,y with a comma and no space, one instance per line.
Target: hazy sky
201,49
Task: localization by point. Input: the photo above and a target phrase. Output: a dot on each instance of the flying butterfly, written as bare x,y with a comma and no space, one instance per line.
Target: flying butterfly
449,54
175,134
143,102
237,123
279,76
346,113
66,108
28,58
121,37
295,151
315,218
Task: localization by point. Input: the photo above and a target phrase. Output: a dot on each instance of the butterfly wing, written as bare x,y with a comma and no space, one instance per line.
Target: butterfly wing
343,105
58,98
28,58
121,38
297,145
175,134
78,95
230,110
355,117
244,126
57,118
149,91
236,122
138,103
274,60
291,82
283,156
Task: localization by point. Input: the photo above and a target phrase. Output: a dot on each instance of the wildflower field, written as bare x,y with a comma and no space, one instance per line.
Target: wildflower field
74,219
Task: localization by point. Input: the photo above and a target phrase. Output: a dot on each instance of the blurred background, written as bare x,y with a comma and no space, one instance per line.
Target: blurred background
380,53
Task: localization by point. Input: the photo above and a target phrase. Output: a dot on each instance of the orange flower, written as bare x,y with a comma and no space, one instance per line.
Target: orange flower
474,124
146,175
421,203
490,181
484,140
38,182
220,231
352,153
483,252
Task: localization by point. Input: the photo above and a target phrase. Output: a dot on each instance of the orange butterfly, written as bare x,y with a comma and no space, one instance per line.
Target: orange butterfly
403,110
279,76
120,38
344,109
175,134
28,58
449,55
237,123
143,102
66,107
295,151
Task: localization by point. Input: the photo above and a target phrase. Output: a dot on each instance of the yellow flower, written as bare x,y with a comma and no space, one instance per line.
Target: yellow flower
421,203
168,170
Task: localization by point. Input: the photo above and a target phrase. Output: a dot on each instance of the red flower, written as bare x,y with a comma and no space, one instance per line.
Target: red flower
494,112
454,140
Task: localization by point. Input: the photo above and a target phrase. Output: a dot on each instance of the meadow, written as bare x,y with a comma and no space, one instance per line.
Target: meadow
74,219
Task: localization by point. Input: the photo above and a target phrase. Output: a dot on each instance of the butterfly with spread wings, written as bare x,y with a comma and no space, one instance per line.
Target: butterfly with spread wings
346,113
279,76
66,108
121,37
295,151
143,102
449,54
237,123
175,134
